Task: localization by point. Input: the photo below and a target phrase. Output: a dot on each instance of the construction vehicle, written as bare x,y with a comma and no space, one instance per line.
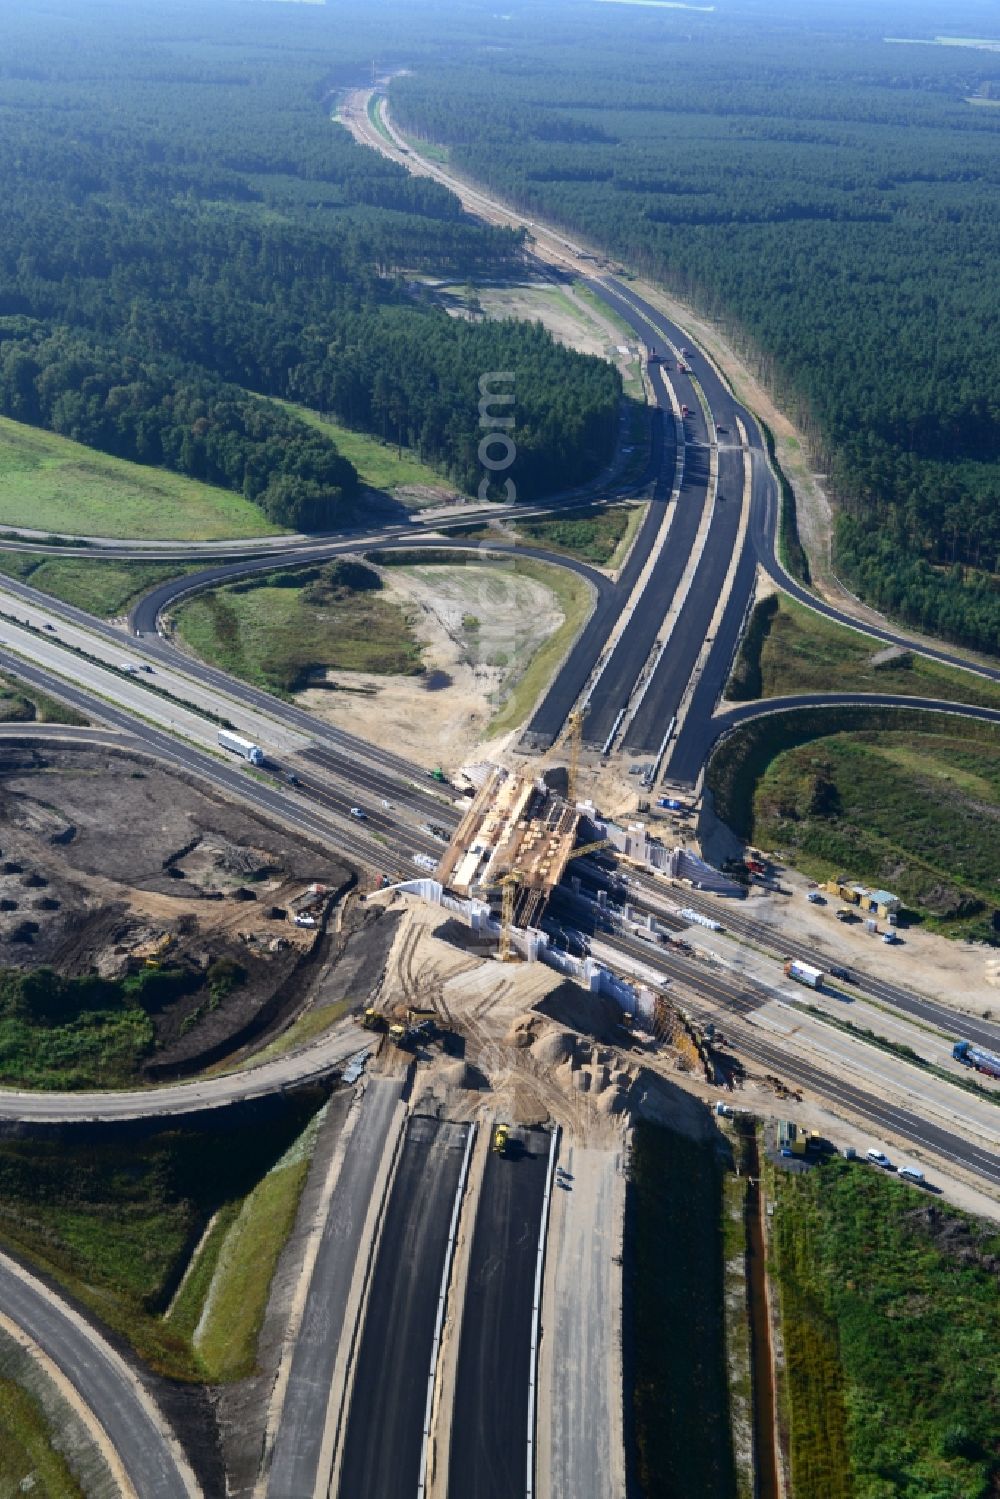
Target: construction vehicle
984,1061
501,1136
373,1020
400,1034
245,748
152,959
804,973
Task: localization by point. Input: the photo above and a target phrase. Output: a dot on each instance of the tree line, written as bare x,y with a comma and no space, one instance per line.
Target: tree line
830,197
184,235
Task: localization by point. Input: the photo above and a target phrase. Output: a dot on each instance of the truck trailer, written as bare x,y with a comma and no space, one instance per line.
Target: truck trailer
978,1057
804,973
245,748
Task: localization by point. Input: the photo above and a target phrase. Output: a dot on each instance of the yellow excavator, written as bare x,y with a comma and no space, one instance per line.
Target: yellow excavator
501,1135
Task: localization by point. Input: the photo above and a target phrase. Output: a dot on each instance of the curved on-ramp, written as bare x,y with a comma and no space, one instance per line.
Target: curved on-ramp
151,1457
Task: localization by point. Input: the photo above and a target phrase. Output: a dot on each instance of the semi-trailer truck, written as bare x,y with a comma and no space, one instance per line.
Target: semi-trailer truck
805,973
978,1057
245,748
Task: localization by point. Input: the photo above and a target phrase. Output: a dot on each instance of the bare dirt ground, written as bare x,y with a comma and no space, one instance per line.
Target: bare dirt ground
110,863
479,628
962,975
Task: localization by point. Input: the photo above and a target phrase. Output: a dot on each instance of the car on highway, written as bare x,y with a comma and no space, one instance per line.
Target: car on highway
292,778
878,1158
359,813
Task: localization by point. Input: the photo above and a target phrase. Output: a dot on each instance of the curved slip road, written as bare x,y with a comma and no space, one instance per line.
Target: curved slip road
687,761
140,1435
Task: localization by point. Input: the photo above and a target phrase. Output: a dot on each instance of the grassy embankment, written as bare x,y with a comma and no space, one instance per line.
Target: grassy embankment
23,704
115,1222
279,628
50,483
888,1306
26,1450
107,589
380,465
895,799
600,537
905,799
675,1244
788,649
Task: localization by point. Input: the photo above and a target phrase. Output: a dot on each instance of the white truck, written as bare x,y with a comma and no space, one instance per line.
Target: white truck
805,973
245,748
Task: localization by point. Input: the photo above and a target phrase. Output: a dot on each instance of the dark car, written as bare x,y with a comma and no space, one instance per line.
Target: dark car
292,779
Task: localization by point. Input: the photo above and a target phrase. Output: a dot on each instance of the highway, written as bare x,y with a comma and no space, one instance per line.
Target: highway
300,1460
740,998
147,1448
760,934
384,1439
489,1423
693,750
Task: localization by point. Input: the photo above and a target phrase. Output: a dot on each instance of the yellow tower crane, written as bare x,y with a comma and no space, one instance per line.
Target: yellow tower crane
509,888
574,741
589,848
507,884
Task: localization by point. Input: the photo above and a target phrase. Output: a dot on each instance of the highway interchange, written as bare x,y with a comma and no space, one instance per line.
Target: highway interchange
655,653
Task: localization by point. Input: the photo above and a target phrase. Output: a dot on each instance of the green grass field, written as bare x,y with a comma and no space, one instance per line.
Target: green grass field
105,588
379,464
788,648
914,812
888,1310
29,1463
115,1224
276,630
600,537
49,483
22,704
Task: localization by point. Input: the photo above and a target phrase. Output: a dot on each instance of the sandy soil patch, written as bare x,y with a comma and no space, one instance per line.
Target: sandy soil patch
479,627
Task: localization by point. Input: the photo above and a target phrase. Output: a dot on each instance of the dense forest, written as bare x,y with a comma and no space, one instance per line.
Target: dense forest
830,194
186,231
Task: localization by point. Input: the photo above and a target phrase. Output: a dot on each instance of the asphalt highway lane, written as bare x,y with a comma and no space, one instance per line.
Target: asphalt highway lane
384,1435
296,1457
575,672
149,1452
742,997
618,678
983,1032
673,670
489,1426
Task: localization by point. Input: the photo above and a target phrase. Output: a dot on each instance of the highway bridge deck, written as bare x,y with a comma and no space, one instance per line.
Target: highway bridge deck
385,1428
489,1431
